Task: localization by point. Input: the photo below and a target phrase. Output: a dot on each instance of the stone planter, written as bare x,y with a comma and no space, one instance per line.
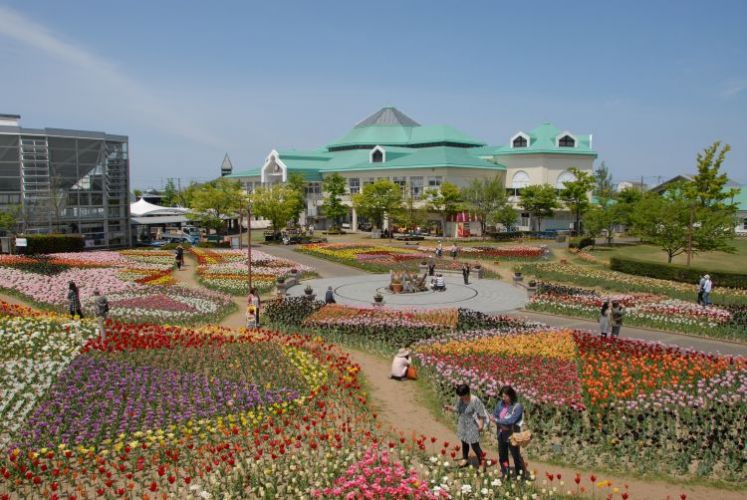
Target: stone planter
396,288
518,278
378,300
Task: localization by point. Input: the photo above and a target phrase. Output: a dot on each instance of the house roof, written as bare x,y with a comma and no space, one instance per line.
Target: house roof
438,156
543,139
388,116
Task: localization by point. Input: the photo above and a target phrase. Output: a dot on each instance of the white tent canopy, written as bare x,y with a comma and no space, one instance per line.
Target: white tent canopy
142,208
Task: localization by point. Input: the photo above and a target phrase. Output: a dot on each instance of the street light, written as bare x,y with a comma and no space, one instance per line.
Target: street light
249,244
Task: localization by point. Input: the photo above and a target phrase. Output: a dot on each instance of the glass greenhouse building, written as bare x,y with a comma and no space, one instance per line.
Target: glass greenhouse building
66,181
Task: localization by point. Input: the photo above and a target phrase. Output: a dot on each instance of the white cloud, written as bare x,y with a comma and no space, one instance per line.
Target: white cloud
139,99
733,87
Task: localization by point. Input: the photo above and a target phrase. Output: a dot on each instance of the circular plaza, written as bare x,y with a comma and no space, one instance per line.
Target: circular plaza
484,295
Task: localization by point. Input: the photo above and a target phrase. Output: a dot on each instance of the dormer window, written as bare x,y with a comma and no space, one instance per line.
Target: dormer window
567,141
520,142
378,155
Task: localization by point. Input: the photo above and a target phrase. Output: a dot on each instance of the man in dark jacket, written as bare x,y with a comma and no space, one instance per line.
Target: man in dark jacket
329,297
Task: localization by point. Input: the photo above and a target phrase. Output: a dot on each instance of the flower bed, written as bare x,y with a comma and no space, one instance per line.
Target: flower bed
593,402
612,280
375,258
226,270
642,309
171,412
512,253
174,304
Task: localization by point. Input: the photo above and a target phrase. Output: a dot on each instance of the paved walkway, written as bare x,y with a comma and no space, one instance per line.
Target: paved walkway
325,268
675,339
488,296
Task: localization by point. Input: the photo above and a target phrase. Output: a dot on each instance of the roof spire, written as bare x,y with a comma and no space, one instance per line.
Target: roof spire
226,167
388,115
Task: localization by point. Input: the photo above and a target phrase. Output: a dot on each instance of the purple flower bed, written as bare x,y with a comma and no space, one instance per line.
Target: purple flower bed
97,398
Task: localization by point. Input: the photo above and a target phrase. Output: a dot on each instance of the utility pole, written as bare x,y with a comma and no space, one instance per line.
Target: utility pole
249,243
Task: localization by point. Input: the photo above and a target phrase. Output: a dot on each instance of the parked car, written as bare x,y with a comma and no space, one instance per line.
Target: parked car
170,239
365,226
413,236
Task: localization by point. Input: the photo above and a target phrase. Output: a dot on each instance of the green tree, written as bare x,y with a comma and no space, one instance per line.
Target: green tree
484,197
540,201
334,189
602,218
506,216
625,204
170,194
297,183
137,193
277,203
711,208
662,221
214,203
409,216
9,218
575,194
377,200
604,191
186,195
446,202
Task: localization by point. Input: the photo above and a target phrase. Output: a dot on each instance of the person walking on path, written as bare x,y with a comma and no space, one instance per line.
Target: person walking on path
431,267
179,257
400,364
701,282
252,309
257,301
472,419
618,313
439,250
454,251
604,319
509,417
707,287
73,298
465,273
329,297
101,310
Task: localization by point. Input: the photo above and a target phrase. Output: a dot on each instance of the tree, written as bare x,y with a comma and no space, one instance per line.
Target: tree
446,201
625,204
575,194
9,218
540,201
506,216
137,193
409,216
334,189
603,189
711,209
662,220
377,200
170,194
277,203
602,218
485,197
215,202
297,183
185,196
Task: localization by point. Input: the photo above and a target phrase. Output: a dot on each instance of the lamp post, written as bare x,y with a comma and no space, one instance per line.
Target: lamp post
249,244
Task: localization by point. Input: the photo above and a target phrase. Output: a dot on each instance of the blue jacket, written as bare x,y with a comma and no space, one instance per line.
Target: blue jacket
513,417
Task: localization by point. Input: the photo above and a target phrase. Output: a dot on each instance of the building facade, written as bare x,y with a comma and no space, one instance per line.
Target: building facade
391,145
66,181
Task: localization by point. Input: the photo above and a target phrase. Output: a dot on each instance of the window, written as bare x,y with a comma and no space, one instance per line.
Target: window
400,181
354,185
416,186
368,181
313,188
519,181
567,142
377,156
434,182
744,224
563,178
524,219
520,142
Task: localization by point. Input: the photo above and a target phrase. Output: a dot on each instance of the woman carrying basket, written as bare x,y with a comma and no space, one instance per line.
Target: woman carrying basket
509,416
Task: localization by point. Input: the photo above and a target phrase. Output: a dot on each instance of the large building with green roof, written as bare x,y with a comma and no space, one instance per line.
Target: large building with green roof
389,144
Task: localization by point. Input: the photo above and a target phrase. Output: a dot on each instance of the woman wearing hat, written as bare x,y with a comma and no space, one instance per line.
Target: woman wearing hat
400,364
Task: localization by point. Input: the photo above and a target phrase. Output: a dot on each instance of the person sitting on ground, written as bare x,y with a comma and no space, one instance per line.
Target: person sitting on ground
329,297
440,284
400,364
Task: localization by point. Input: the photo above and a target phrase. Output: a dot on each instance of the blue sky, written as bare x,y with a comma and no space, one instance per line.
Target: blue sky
187,81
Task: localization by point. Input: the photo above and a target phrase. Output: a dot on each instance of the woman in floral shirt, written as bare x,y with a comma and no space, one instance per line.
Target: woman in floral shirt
472,419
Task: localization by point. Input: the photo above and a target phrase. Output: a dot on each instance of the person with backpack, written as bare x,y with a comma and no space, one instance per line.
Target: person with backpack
73,298
509,417
101,311
471,420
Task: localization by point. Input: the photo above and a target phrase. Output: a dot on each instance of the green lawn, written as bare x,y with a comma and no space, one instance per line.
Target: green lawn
711,261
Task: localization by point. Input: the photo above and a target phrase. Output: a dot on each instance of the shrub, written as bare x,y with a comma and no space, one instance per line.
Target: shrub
291,311
581,242
676,272
212,244
52,243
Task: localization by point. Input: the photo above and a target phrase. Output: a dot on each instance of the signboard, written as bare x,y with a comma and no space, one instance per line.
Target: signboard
21,242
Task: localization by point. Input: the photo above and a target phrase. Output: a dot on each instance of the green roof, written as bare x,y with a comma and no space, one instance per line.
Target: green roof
543,140
437,156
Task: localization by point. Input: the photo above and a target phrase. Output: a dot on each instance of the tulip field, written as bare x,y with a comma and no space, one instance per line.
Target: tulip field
510,253
644,309
226,270
138,283
173,412
622,404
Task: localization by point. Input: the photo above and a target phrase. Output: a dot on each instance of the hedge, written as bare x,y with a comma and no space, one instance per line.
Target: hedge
676,272
52,243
